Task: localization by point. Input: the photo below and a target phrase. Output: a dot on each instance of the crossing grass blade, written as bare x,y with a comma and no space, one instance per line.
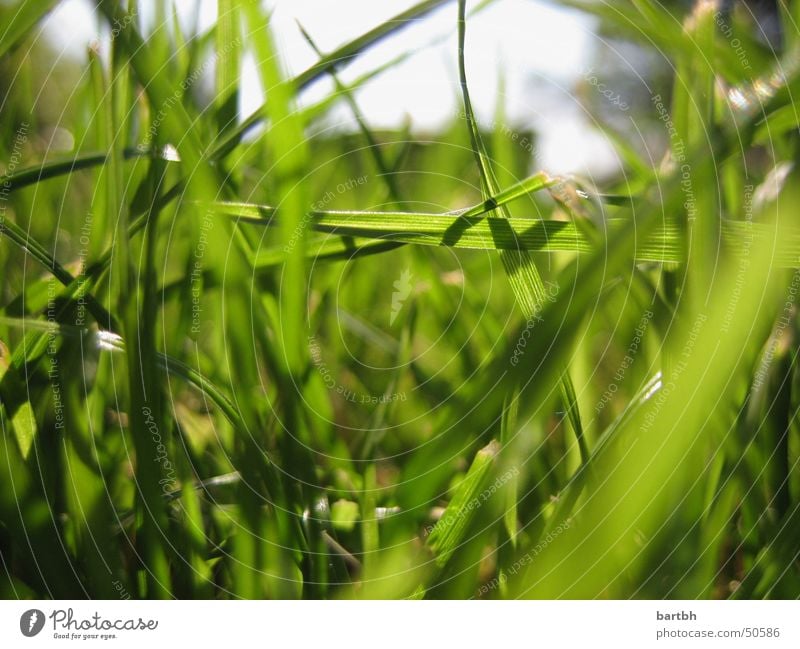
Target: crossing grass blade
388,229
525,278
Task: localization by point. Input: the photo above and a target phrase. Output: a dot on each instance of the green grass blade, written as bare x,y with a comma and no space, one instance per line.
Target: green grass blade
53,169
228,46
526,281
448,534
23,18
336,59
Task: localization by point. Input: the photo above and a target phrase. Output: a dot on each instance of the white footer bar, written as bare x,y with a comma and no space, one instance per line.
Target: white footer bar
407,624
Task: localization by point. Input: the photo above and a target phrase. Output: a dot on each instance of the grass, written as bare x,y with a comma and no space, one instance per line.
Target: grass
242,357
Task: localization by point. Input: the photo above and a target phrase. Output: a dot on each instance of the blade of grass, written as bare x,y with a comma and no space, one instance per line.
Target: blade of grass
289,149
338,58
55,168
20,19
228,47
448,534
526,281
136,307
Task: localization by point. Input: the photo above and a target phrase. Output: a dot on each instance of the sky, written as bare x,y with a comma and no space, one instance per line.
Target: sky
541,51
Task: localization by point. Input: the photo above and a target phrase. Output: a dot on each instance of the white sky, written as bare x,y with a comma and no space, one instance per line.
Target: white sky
540,49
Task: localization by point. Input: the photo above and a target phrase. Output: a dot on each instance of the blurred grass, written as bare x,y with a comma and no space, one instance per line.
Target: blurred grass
242,356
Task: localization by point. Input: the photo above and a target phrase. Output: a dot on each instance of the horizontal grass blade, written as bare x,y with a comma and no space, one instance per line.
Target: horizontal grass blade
664,244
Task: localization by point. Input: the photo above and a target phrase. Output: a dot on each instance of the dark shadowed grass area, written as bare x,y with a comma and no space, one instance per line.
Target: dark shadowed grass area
247,357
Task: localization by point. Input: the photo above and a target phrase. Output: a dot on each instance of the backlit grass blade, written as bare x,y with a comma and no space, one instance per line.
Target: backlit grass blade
449,532
526,281
288,148
510,494
326,436
693,108
53,169
228,47
671,445
19,19
372,142
664,244
336,59
135,303
535,183
478,233
109,342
